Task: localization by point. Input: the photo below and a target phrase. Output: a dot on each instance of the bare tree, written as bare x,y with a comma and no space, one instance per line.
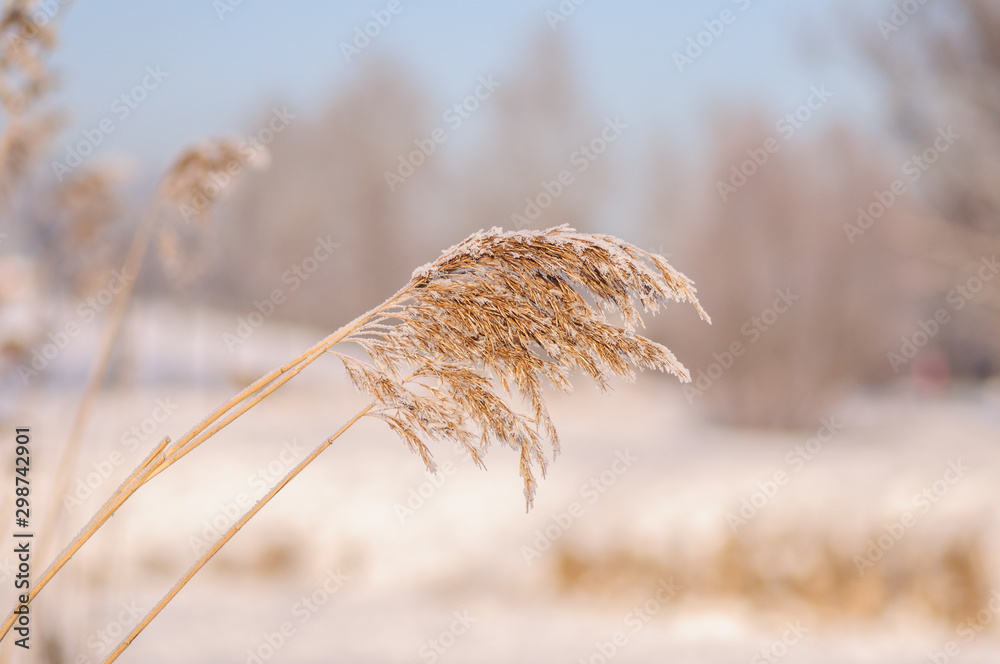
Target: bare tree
803,314
539,127
941,72
942,67
326,183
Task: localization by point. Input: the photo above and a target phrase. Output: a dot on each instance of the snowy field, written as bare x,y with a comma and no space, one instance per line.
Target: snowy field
656,537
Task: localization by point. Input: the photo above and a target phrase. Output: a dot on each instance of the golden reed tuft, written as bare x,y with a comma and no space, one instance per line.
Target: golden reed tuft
497,316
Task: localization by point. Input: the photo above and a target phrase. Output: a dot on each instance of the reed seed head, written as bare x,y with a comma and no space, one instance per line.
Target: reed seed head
202,174
495,319
198,179
24,46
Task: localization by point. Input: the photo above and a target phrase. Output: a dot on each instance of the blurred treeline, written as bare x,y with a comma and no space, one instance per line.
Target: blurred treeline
855,298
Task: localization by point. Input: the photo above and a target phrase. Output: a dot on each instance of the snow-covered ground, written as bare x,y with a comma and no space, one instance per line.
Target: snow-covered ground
656,536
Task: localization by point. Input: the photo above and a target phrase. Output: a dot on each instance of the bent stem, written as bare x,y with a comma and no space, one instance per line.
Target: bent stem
230,533
98,370
165,454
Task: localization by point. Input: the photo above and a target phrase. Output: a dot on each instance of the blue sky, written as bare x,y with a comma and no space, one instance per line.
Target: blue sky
222,71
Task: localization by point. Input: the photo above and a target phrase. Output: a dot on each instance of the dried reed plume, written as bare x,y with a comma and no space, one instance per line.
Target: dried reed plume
490,322
201,174
88,203
508,311
25,45
197,181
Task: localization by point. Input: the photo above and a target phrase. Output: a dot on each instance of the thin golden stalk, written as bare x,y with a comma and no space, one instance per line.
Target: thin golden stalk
98,370
227,413
136,479
230,533
184,179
